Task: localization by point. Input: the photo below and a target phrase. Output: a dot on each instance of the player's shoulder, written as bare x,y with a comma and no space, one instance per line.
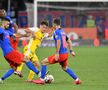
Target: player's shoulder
1,30
58,31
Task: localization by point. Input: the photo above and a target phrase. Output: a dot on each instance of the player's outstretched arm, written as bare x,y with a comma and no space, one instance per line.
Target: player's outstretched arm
57,50
19,35
31,31
70,47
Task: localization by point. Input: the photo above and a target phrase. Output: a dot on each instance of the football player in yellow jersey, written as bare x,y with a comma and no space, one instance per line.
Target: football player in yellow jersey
29,51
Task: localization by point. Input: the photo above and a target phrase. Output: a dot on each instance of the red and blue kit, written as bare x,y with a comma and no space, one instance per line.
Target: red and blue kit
13,57
13,41
59,34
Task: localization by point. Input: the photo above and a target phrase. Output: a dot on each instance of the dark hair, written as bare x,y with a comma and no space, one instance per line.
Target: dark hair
44,22
4,19
57,21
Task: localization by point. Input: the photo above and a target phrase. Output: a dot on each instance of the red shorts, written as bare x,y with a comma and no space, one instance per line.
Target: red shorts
14,43
63,59
14,58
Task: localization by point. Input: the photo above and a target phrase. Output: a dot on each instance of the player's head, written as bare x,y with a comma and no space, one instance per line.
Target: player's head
5,23
56,23
44,26
2,13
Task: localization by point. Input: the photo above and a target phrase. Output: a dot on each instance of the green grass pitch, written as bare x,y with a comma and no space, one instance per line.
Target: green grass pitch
90,64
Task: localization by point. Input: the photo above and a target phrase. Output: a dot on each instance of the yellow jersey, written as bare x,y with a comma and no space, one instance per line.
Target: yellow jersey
34,43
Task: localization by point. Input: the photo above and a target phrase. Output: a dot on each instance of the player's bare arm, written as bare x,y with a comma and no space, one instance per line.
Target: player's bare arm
19,35
31,32
57,50
70,47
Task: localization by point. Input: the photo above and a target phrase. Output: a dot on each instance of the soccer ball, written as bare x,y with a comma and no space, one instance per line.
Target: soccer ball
49,79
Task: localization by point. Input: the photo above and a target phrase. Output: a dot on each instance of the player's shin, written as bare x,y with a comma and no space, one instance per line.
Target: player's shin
19,68
8,73
31,66
30,76
43,71
71,73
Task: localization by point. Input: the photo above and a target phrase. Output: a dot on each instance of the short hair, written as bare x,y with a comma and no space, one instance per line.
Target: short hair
44,22
4,19
57,21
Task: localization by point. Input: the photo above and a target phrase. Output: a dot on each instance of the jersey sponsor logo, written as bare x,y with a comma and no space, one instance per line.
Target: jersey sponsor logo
6,36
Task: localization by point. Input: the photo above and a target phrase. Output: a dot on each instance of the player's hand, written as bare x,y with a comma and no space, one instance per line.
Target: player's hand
73,53
28,34
56,56
27,30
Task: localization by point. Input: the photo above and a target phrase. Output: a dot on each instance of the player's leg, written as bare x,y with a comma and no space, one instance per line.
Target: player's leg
30,65
8,73
14,58
43,72
45,62
31,73
36,63
69,71
19,69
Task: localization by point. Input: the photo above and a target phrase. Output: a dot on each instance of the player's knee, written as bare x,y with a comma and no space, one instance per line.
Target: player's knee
37,64
64,68
45,61
26,59
14,68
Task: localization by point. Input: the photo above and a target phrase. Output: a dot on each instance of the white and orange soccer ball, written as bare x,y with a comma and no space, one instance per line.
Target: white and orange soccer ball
49,79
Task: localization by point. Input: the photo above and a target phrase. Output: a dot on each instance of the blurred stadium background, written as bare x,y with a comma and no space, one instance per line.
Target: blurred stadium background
87,25
85,22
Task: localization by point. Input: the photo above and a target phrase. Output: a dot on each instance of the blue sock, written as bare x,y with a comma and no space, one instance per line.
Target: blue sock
71,73
43,71
32,67
7,74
